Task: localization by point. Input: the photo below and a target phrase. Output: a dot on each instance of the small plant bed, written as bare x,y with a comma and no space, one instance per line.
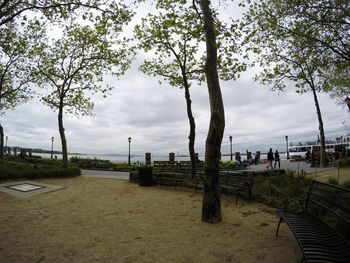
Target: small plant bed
230,165
278,189
34,161
13,170
344,162
334,181
98,164
124,167
87,163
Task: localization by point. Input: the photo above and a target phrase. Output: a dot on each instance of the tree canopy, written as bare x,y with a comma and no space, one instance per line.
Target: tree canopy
77,62
17,50
174,35
55,10
320,27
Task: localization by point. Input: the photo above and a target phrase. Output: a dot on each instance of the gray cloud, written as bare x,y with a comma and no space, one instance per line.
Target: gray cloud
155,117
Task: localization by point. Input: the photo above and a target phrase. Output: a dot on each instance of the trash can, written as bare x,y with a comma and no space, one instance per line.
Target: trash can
146,176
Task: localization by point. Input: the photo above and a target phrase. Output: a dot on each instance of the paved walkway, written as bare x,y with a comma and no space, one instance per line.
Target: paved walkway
294,166
105,174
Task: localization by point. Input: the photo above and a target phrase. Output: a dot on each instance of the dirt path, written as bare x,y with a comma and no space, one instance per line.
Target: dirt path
106,220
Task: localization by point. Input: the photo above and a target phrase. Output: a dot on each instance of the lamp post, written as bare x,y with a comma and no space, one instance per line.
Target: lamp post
230,146
287,147
6,150
52,139
129,139
347,102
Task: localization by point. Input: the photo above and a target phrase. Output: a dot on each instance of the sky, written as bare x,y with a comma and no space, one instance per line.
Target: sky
154,116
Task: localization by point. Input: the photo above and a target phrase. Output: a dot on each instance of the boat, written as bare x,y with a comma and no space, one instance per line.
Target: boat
301,148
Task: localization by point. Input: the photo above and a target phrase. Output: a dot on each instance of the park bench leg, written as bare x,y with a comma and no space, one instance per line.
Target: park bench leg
278,227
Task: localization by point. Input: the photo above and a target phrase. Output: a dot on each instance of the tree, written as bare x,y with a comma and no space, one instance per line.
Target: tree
16,51
11,10
322,25
285,52
211,206
220,58
174,35
31,14
75,64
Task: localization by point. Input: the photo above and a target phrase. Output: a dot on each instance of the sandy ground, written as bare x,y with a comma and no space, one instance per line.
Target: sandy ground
106,220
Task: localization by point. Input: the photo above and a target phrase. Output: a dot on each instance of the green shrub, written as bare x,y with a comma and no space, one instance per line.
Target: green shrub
39,161
332,180
228,164
124,167
278,190
19,170
346,184
87,163
344,162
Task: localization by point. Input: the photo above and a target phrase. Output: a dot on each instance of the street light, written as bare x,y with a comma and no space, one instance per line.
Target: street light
230,145
287,147
347,102
52,139
6,150
129,139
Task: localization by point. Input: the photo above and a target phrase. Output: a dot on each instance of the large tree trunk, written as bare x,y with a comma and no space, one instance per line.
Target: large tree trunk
211,205
320,127
192,135
1,143
63,137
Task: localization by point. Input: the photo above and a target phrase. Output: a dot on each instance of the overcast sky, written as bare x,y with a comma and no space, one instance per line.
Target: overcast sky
154,116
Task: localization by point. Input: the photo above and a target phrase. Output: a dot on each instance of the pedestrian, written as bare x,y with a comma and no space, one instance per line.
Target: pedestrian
270,158
238,159
277,160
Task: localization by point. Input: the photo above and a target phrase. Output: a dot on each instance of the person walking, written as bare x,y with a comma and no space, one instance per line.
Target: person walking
270,158
277,160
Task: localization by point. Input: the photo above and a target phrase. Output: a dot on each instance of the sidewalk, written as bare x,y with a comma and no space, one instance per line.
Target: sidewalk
294,166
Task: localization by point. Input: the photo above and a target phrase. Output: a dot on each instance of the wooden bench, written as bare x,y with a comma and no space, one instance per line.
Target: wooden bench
165,178
177,179
236,184
322,225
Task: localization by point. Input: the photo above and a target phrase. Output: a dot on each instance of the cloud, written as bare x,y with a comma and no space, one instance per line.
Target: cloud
154,116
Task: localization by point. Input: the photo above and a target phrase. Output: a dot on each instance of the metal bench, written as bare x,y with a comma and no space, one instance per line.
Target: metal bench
322,226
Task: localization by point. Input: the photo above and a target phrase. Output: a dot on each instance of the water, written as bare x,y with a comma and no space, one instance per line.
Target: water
141,159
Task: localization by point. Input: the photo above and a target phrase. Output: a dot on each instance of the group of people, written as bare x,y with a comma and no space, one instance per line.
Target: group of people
273,157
